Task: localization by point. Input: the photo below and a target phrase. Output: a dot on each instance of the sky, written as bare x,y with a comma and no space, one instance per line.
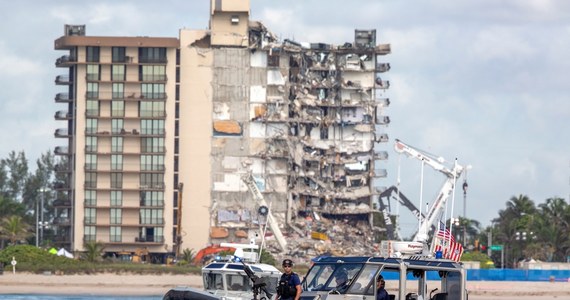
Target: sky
484,82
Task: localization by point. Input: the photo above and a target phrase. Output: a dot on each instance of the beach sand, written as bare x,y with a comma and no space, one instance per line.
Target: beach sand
150,285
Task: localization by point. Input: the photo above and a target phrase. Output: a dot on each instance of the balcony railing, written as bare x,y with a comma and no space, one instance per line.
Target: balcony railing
60,150
150,239
61,132
62,79
62,98
63,115
66,59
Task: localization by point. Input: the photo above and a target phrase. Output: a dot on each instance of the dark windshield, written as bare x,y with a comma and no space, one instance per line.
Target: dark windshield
326,277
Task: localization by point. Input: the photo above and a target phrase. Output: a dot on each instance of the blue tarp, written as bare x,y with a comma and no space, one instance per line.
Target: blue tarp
500,275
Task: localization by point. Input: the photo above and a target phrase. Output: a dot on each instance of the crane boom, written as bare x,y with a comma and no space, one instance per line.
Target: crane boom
258,197
438,206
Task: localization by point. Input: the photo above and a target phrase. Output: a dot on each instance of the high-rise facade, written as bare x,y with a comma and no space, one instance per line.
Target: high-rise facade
209,110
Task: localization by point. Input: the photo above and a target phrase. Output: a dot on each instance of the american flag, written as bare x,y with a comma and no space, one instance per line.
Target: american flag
444,233
446,243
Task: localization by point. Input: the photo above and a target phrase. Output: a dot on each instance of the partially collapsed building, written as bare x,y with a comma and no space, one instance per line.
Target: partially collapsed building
216,111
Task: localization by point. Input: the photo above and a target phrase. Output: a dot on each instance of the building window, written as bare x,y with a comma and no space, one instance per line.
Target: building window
116,198
90,162
118,72
92,90
90,198
93,72
119,54
116,180
116,162
91,141
153,91
152,73
92,54
92,108
118,91
151,234
117,126
90,215
152,180
117,144
152,55
115,234
116,215
90,180
152,109
117,108
152,162
152,127
152,198
151,216
152,145
91,125
90,234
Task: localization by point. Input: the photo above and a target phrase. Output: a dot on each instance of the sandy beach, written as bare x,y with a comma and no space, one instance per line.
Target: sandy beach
150,285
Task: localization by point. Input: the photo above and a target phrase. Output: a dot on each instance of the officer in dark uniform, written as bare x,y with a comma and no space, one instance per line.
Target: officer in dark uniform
289,287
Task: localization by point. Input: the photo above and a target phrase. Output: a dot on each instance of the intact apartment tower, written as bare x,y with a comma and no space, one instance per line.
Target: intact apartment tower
212,111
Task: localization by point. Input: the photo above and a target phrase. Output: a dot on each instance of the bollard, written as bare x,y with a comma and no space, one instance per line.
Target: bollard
14,262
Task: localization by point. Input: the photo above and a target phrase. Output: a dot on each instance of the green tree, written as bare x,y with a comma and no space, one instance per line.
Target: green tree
551,227
17,166
93,251
512,222
14,229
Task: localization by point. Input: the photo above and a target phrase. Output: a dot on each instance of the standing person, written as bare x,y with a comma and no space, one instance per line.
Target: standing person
381,293
289,287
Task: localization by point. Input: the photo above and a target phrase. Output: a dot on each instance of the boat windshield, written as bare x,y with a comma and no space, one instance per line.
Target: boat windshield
326,277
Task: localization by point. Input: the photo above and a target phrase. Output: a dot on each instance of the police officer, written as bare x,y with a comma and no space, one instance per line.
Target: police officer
289,285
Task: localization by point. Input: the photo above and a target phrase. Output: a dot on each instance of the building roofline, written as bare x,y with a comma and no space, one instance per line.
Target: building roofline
66,42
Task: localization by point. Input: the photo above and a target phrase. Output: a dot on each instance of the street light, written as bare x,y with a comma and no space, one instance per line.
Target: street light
40,223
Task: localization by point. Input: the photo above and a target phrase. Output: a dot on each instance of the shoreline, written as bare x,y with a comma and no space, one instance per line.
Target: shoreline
157,285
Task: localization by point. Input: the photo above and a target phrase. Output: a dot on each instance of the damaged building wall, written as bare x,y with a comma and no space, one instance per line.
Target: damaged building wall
304,120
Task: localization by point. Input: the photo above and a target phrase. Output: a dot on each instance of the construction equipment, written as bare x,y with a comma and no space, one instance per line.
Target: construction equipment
179,221
435,211
395,193
263,208
205,253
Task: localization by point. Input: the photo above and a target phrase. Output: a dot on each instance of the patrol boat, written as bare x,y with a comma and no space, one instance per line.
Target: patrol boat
236,277
417,277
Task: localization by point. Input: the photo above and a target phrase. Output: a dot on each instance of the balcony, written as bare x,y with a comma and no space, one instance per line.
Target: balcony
62,168
381,84
61,150
62,133
149,239
61,203
153,78
65,61
63,115
61,186
63,98
63,80
62,221
382,67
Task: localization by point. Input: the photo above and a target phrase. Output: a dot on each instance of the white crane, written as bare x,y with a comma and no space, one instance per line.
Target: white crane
452,174
258,197
419,243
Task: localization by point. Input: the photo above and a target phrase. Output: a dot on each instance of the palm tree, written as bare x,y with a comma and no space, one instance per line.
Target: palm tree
552,226
93,251
14,229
